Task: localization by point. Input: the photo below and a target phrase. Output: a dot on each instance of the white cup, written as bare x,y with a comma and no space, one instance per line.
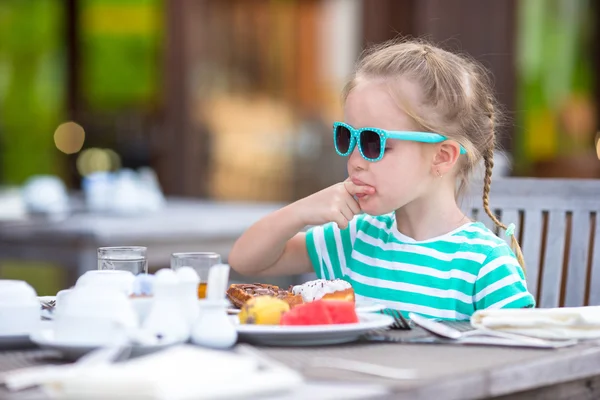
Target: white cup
61,298
115,279
94,316
20,310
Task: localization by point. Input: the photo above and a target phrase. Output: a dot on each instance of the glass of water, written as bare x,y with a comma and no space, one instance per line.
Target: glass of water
123,258
199,262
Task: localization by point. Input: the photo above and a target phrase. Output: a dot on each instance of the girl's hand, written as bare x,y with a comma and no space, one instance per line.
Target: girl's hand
333,204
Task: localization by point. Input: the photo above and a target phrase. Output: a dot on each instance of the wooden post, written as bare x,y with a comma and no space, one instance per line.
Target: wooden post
596,57
485,29
71,7
171,162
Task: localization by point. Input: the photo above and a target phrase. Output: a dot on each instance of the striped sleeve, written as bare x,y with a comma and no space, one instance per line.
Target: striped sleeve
329,247
501,283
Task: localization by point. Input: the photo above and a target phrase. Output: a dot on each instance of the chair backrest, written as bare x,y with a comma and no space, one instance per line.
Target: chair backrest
558,225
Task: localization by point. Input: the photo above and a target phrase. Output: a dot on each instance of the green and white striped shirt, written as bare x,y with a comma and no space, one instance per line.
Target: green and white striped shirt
448,277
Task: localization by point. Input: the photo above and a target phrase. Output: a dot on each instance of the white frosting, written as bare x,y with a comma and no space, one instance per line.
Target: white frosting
314,290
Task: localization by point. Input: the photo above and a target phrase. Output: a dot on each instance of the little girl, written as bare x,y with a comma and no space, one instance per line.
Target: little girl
418,119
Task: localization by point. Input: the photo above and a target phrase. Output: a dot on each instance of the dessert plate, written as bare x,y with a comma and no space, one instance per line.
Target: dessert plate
312,335
362,306
368,306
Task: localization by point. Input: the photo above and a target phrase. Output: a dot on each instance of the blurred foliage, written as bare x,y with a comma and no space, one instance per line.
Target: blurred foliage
32,82
555,112
46,279
121,52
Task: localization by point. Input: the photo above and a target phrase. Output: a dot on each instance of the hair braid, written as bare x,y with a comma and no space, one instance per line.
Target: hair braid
488,159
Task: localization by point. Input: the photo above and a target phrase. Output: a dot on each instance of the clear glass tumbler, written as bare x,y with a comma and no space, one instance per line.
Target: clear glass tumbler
199,262
123,258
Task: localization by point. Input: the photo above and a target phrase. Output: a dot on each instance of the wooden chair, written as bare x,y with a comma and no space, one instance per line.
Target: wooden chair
558,225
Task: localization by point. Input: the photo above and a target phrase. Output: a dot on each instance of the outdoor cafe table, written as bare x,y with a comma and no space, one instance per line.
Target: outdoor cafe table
182,225
446,371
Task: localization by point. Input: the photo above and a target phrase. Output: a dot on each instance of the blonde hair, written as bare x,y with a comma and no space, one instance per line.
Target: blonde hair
458,95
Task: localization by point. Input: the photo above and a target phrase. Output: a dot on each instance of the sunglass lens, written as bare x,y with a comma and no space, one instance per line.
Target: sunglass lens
342,139
370,143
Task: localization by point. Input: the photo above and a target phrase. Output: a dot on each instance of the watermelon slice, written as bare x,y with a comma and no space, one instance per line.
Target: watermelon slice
314,313
341,312
321,312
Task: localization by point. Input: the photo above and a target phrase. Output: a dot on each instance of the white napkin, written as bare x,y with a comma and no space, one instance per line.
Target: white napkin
180,373
546,323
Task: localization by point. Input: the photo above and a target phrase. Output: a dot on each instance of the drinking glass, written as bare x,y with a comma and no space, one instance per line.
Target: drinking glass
199,262
123,258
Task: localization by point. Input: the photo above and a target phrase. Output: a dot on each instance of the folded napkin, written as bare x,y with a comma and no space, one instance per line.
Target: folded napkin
179,373
545,323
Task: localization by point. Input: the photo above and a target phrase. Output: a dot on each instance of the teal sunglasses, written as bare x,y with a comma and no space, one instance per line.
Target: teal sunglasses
371,141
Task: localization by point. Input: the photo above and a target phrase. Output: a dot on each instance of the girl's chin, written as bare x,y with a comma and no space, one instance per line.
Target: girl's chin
367,204
370,206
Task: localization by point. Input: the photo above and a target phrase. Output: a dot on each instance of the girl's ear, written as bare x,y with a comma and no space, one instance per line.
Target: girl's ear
445,157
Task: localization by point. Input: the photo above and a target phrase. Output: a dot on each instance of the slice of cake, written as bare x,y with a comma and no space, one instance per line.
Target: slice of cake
239,294
336,289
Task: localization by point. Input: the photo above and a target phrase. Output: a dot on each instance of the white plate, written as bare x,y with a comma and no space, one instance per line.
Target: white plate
367,306
313,335
361,307
45,339
20,341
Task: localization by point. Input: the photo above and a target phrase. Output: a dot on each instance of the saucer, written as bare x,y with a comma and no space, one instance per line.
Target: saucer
45,338
22,340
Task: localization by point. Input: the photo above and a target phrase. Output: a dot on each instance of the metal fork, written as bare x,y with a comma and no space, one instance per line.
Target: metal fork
399,321
48,305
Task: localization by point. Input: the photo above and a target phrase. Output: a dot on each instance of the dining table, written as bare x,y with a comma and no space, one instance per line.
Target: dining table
182,225
444,370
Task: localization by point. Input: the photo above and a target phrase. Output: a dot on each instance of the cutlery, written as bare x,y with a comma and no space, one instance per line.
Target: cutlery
399,321
448,332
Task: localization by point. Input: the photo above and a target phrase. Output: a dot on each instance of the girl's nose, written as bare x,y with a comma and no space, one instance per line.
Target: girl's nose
356,161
